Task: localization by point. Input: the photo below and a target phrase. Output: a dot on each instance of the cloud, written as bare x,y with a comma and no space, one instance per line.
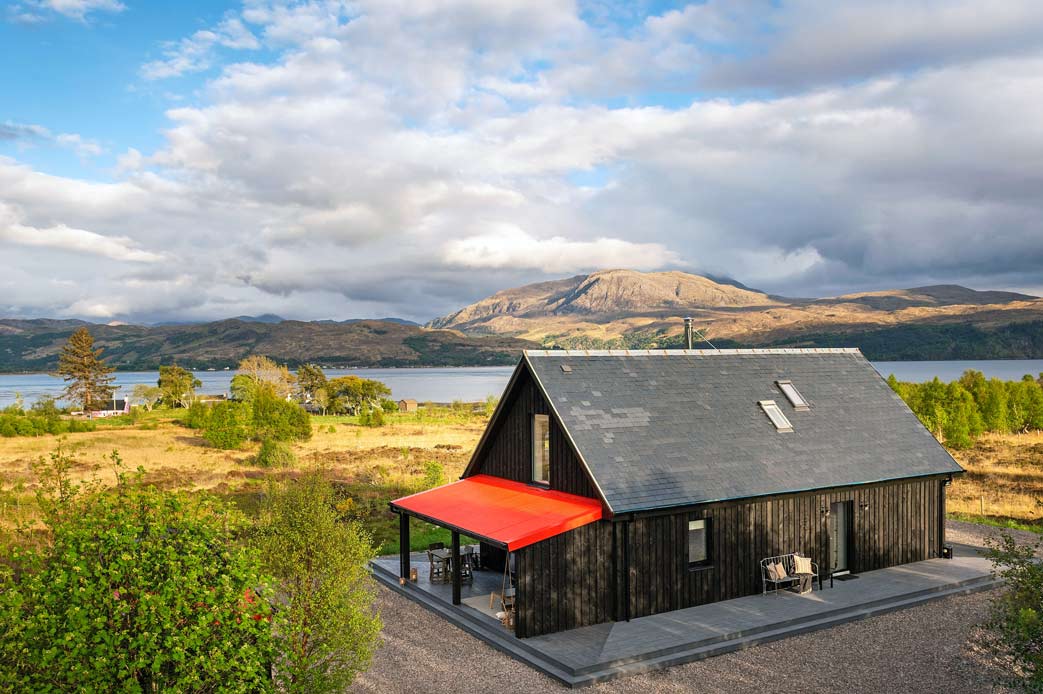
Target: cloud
29,135
198,52
63,238
35,11
386,158
510,247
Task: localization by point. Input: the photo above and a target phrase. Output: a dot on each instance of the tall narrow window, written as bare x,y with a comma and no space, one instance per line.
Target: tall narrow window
541,449
699,542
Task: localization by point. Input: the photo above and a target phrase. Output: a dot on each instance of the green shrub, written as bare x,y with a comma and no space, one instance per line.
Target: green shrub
389,406
197,416
228,426
275,454
7,426
1016,619
137,590
327,630
276,419
371,417
434,474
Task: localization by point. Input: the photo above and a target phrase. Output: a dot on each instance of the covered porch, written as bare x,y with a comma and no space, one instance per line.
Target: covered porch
503,515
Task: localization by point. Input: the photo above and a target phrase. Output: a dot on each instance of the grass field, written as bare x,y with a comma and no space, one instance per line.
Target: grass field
369,465
1004,481
414,452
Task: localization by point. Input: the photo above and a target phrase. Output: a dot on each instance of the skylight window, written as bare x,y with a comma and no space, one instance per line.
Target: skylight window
793,395
776,416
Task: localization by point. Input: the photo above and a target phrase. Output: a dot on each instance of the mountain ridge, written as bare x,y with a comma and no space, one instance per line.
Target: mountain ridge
631,309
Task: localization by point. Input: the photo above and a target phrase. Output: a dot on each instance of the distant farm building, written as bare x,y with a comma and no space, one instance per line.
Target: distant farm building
408,405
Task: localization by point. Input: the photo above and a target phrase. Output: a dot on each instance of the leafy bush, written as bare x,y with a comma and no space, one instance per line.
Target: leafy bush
275,419
372,417
16,422
275,454
328,629
137,590
434,474
1016,620
389,406
228,425
197,416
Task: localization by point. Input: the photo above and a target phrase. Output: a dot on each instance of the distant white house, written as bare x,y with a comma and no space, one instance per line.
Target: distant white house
113,408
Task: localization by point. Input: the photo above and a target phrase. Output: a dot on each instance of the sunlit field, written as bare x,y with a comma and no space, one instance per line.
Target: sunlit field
371,465
1004,478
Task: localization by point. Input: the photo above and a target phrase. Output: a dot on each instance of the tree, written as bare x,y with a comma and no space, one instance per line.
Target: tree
228,426
276,419
322,399
178,385
993,406
352,393
136,590
326,627
263,370
310,380
89,377
147,396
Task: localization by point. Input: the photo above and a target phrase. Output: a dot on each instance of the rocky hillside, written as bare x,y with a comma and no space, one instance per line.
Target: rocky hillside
624,308
33,345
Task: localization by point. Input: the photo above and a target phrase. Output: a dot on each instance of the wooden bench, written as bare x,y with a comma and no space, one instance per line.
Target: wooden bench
791,576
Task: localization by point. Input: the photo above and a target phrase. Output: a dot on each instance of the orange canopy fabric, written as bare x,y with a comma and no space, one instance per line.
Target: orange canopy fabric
509,513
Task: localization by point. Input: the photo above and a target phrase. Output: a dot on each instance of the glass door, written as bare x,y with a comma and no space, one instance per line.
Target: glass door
839,532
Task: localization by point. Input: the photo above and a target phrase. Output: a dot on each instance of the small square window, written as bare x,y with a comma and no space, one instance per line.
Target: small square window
793,395
776,416
699,542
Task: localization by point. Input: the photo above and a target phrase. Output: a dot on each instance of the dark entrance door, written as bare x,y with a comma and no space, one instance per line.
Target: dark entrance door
839,535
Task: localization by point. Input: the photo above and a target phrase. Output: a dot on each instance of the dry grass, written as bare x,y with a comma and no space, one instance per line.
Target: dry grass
1005,474
174,457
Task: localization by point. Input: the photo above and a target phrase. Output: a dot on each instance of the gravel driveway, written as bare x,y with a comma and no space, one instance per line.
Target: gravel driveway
930,648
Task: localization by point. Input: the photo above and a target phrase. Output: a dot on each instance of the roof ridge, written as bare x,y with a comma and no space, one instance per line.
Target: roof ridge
686,352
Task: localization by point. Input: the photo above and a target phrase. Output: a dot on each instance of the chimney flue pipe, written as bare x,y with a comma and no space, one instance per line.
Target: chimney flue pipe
688,332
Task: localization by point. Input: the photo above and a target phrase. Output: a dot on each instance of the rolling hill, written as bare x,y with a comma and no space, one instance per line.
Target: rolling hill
33,345
629,309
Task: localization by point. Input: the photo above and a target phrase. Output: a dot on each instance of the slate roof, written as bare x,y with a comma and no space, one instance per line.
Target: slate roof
660,428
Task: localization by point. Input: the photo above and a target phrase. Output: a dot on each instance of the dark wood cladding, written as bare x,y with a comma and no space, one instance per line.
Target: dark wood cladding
576,579
509,453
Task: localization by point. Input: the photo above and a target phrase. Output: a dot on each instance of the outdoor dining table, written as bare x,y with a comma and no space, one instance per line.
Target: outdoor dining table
446,557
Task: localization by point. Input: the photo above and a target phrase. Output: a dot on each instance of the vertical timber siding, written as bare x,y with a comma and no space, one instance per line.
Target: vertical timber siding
570,580
509,453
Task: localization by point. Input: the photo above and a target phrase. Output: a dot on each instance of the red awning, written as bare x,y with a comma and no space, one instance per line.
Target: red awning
510,513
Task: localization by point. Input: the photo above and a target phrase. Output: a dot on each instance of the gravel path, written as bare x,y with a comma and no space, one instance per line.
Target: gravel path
931,648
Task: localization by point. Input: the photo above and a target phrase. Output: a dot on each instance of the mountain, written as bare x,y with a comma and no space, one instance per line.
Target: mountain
629,309
33,345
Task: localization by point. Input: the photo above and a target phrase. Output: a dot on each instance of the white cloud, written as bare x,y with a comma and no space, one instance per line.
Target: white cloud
197,52
63,238
512,248
28,135
34,11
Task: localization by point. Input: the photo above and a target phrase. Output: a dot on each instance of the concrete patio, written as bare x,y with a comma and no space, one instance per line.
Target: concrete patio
591,654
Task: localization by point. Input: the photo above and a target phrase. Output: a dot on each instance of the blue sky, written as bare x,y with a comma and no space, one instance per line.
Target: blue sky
321,159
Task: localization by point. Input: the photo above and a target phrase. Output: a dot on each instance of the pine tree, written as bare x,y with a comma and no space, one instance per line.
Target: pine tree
89,378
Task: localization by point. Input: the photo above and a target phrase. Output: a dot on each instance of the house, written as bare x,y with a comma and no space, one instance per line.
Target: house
112,408
631,483
407,405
